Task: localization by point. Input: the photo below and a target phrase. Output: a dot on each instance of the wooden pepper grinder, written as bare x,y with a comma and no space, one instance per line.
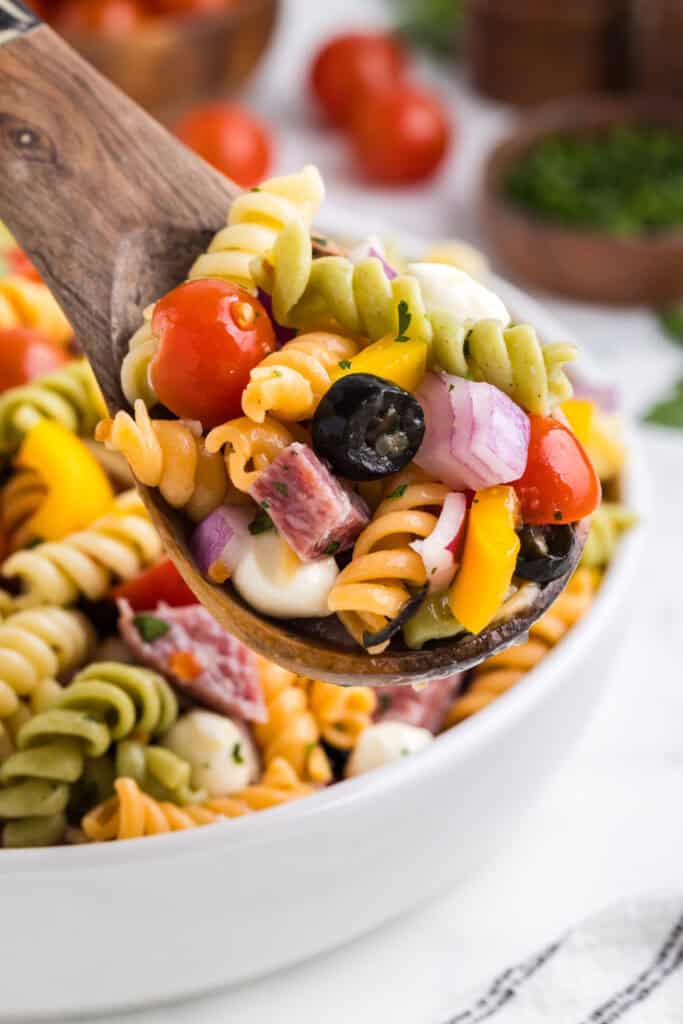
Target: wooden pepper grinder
528,51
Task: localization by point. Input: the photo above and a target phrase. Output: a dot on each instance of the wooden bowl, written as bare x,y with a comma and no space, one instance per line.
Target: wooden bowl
170,64
582,264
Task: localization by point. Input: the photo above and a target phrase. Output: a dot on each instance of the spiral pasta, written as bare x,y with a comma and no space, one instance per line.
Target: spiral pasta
373,587
341,712
610,521
142,347
105,702
37,646
499,673
117,546
158,771
20,499
290,383
170,455
70,396
290,731
250,447
25,303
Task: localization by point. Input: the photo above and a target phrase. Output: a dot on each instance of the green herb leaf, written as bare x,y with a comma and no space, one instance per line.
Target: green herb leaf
265,505
399,492
281,488
404,319
255,189
319,240
150,627
671,321
345,364
237,755
669,412
558,516
261,524
332,547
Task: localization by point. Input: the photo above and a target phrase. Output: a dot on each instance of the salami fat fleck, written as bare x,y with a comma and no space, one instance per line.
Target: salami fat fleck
310,508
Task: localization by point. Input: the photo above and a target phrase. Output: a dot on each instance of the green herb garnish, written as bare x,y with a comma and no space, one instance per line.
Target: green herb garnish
671,321
404,319
261,524
399,492
281,488
669,412
237,755
150,627
319,240
345,364
332,547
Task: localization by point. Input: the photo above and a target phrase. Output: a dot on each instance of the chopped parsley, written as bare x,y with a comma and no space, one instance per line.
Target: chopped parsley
281,488
319,240
255,189
345,364
404,751
404,319
237,755
150,627
309,748
332,547
557,515
265,505
399,492
261,524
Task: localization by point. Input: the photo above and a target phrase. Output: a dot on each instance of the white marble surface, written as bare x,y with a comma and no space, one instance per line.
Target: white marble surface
610,826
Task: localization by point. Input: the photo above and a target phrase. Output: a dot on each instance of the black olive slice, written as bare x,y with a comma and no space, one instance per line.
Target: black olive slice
367,427
546,552
407,611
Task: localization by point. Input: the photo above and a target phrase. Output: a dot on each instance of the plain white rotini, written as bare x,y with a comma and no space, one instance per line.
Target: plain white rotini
115,547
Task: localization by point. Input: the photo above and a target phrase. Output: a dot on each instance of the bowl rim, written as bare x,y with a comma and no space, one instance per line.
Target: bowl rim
575,117
450,747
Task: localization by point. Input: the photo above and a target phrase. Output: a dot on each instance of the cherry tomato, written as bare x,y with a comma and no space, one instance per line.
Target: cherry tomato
353,64
211,334
162,582
181,8
559,484
25,355
399,135
107,17
230,139
43,8
19,263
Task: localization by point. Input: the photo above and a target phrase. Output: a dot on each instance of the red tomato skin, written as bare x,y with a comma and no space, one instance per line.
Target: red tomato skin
162,582
559,484
20,264
399,136
106,17
353,64
25,355
230,139
185,8
205,353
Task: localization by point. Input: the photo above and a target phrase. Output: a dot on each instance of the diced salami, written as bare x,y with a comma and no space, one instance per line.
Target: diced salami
310,508
197,656
426,707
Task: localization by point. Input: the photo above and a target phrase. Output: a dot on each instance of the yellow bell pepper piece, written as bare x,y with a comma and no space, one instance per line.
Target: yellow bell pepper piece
78,490
402,362
489,558
580,413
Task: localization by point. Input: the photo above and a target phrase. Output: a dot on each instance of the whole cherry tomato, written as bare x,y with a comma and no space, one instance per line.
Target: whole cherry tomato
211,335
25,355
559,484
352,65
19,263
399,135
162,582
230,139
107,17
43,8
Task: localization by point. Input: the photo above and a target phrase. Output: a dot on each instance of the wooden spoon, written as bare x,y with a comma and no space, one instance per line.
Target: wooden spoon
113,211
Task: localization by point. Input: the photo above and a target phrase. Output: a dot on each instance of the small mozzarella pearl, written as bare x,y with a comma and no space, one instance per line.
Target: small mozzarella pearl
386,742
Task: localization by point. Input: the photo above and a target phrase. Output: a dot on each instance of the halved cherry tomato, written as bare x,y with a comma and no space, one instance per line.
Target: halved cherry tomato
352,65
211,335
559,484
399,135
19,263
162,582
230,139
25,355
107,17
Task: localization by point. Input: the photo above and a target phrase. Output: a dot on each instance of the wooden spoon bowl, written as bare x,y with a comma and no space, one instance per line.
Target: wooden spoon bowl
113,211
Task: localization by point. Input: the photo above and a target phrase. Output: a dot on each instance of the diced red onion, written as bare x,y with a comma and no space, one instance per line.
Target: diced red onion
282,334
372,247
437,550
475,436
605,396
219,542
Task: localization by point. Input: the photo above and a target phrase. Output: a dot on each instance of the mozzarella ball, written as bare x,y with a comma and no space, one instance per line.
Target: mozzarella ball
275,582
446,289
221,755
383,743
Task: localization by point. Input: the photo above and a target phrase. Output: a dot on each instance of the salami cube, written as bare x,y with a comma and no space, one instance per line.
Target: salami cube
313,512
425,707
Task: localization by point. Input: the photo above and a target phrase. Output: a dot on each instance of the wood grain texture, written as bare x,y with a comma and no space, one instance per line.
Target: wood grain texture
113,212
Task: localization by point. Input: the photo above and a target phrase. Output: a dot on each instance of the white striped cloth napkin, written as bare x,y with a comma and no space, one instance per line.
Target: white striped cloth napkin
624,963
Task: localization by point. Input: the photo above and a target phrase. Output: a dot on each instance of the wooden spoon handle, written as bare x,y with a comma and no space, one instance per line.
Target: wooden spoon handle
82,168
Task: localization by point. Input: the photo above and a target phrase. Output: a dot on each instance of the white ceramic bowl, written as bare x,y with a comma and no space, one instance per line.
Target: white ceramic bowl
87,929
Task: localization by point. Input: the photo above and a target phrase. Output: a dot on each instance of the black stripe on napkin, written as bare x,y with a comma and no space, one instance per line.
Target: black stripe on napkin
669,959
505,987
